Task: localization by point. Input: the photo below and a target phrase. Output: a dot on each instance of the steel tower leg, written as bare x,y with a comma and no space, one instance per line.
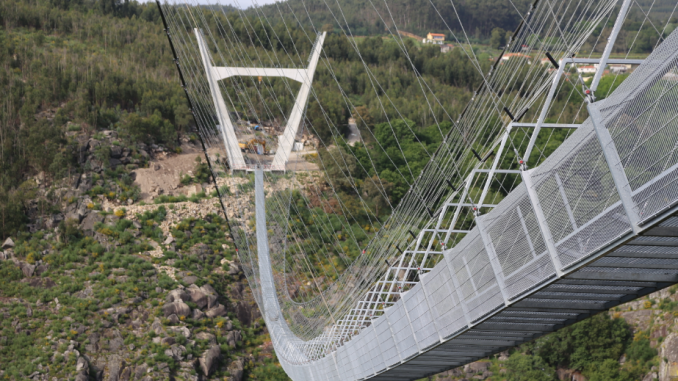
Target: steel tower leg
235,158
286,141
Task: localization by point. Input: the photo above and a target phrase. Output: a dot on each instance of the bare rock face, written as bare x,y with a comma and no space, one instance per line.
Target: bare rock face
477,367
233,338
27,269
178,295
87,224
115,366
157,326
82,369
211,295
180,331
236,369
207,336
178,308
176,352
234,269
8,244
140,371
209,359
218,310
668,351
198,296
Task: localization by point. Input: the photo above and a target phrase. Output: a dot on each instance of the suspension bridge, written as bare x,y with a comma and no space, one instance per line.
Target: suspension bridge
458,271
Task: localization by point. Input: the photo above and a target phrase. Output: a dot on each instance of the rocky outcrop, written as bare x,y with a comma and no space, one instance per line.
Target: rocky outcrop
178,295
669,352
210,338
209,359
82,369
236,369
8,244
233,338
178,308
198,296
27,269
215,311
87,224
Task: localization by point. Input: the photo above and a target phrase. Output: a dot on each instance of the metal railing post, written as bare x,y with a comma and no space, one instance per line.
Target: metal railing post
542,222
621,16
494,260
621,182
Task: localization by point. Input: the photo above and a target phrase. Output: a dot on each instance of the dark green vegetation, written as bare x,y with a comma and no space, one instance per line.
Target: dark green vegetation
599,348
363,17
78,66
87,65
86,285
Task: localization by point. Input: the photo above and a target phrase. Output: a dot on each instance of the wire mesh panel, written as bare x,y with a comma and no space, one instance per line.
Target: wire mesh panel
425,331
373,355
579,198
363,369
473,270
355,360
518,243
445,308
344,363
402,330
386,342
334,371
642,116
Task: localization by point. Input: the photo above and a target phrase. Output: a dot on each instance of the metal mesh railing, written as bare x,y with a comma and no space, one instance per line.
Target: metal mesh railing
642,117
579,198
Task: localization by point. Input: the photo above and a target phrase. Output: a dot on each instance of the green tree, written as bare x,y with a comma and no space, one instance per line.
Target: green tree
498,38
523,367
586,343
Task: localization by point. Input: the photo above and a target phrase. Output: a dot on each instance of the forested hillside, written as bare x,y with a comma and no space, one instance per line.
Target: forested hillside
362,17
87,65
480,17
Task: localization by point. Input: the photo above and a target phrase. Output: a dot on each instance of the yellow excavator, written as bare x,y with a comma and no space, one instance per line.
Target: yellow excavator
252,145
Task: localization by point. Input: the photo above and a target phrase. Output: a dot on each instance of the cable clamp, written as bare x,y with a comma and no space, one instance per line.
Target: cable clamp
523,165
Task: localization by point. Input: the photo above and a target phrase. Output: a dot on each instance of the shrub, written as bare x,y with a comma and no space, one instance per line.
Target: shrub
640,350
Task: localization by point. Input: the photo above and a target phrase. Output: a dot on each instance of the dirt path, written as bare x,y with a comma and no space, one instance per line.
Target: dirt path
354,134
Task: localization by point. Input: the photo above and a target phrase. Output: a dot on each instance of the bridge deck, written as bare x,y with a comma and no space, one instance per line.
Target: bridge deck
635,268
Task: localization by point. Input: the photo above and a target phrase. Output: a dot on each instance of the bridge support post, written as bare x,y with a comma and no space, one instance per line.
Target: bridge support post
494,260
621,182
541,221
235,159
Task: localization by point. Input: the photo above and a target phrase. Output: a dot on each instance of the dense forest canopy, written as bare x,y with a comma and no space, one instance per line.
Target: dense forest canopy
106,64
415,16
95,65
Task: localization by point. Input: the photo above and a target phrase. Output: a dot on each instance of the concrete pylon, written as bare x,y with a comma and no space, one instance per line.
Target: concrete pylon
286,140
